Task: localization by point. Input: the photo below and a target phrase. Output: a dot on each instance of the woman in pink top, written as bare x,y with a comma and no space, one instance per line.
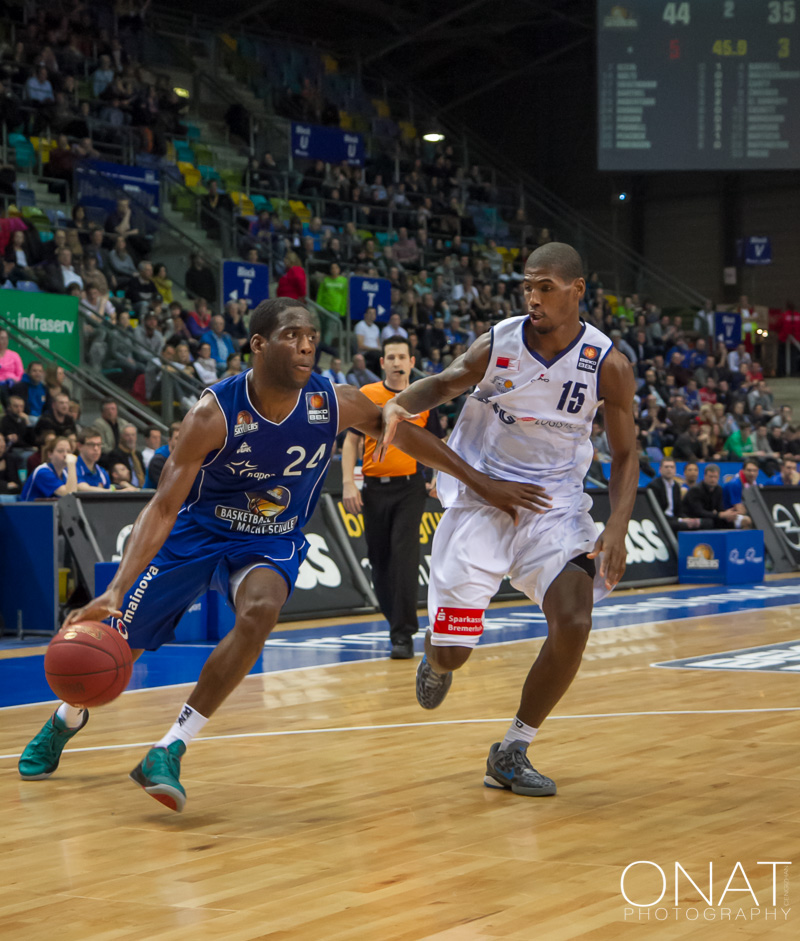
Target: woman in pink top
10,364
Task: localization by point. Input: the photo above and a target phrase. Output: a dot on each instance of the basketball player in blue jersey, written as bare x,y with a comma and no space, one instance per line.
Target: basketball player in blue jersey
243,478
538,380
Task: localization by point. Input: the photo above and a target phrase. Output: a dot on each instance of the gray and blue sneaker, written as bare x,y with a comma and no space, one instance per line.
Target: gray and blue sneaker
432,687
511,770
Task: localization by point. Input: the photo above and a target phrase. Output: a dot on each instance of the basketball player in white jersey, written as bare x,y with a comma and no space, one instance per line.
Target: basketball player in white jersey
538,380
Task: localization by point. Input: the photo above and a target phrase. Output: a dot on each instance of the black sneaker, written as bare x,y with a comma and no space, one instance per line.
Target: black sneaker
402,649
511,770
432,687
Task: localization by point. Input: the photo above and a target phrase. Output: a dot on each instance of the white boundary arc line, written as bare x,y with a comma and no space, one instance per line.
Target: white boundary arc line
335,730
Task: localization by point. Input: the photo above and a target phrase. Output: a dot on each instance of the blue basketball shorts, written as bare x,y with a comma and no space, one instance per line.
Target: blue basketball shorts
191,561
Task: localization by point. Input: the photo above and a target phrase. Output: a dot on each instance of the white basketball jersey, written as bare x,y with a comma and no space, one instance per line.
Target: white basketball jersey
530,419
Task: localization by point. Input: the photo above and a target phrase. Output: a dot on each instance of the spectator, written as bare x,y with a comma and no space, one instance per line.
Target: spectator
11,371
235,325
61,276
368,337
33,391
107,425
120,262
691,474
149,336
733,490
141,290
205,365
216,211
293,282
233,366
102,76
158,460
120,223
358,375
788,475
704,501
56,477
15,424
625,348
199,319
200,281
163,283
126,453
219,341
152,442
57,418
688,447
406,250
393,329
92,478
124,357
9,470
332,294
738,443
121,477
334,372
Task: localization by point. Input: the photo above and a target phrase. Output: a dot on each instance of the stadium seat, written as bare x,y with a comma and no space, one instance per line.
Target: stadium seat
243,203
208,173
192,132
25,195
260,203
300,210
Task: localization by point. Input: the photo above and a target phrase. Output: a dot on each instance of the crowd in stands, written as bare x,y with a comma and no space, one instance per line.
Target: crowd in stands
414,221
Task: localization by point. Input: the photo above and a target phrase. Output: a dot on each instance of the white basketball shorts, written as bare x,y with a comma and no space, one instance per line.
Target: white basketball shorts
474,548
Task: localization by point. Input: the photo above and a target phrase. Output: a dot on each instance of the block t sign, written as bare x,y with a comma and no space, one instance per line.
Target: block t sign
370,292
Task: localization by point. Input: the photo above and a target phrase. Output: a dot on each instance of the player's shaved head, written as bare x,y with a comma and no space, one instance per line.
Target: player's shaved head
559,258
265,318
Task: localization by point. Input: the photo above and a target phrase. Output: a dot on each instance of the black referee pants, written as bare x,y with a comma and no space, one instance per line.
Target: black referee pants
392,514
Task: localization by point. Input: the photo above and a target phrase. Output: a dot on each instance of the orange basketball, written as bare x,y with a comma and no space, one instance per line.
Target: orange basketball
88,664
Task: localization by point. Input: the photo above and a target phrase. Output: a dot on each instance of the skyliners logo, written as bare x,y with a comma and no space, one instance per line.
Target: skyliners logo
644,883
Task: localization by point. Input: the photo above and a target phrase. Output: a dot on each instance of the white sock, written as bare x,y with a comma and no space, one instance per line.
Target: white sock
518,732
186,726
71,716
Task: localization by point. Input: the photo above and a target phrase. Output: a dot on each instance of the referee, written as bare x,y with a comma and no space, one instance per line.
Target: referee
393,500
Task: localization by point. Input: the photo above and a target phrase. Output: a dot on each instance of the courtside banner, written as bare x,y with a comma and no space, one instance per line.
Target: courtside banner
652,558
326,585
784,507
433,512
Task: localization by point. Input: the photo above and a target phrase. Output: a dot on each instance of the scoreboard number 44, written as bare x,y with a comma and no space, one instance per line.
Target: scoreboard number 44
778,11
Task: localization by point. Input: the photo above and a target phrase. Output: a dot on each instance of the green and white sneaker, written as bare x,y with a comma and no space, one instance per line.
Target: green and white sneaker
511,770
43,753
159,772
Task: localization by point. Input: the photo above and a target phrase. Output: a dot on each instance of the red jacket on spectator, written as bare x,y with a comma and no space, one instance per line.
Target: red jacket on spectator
789,325
293,284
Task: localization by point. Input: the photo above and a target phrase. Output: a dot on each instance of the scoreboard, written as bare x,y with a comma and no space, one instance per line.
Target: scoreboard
698,85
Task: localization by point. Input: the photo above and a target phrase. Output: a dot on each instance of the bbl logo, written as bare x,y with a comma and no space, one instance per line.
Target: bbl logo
702,557
268,504
317,407
244,424
588,358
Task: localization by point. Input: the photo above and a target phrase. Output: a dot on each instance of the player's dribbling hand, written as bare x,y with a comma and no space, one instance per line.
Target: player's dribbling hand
391,417
507,495
614,555
98,609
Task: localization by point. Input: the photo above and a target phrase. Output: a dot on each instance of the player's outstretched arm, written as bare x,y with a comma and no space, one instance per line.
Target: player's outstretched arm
357,411
463,373
203,430
617,388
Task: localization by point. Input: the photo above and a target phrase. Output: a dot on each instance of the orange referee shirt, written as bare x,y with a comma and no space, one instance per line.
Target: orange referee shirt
396,463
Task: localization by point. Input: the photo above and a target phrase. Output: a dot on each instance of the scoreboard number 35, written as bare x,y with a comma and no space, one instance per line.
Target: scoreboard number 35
778,11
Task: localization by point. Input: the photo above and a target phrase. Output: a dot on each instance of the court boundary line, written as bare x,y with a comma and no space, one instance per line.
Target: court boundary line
283,733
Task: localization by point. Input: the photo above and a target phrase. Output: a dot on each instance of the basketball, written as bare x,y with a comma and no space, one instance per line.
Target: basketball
88,664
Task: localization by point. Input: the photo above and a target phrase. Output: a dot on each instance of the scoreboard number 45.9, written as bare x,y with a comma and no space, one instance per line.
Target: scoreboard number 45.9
778,11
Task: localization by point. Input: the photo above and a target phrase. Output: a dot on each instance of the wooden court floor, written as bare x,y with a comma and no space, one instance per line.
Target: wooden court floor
324,804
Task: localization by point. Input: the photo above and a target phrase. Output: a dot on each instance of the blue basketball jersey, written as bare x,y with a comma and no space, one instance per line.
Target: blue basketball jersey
266,479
